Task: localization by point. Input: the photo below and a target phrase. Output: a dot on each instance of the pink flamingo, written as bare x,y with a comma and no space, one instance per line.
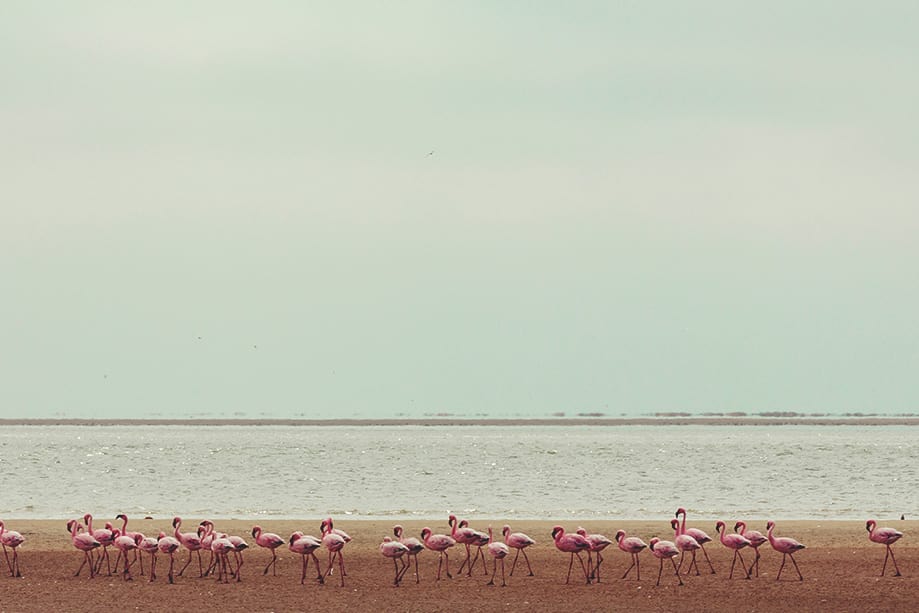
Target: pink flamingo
735,542
85,542
598,543
697,534
685,543
239,545
169,545
631,545
884,536
394,550
343,535
268,540
756,539
11,539
439,543
124,543
518,541
221,547
498,551
663,550
786,546
148,544
334,543
306,545
190,541
481,540
133,535
106,537
465,536
414,548
573,544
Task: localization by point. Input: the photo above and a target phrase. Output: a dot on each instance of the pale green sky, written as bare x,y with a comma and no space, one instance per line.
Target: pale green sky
631,207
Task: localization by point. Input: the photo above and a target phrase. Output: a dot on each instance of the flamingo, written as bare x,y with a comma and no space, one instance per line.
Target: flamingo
498,551
685,543
573,544
169,545
393,550
190,541
519,541
343,535
884,536
133,535
439,543
149,545
631,545
306,545
661,550
268,540
124,544
221,547
12,539
85,542
334,543
105,538
481,540
786,546
735,542
598,543
756,539
414,548
697,534
239,545
466,536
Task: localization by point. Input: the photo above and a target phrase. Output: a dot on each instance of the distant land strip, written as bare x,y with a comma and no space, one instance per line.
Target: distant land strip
458,421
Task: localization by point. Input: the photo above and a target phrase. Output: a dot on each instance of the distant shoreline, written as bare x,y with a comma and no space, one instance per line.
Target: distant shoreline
456,421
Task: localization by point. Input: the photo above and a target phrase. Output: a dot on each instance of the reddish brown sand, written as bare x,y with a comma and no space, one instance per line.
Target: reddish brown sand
840,566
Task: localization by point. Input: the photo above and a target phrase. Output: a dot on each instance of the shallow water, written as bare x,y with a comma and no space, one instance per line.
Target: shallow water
564,472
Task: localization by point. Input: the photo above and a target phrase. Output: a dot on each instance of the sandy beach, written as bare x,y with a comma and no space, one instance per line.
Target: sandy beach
840,566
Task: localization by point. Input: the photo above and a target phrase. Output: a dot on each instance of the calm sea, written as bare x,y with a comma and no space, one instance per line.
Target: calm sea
539,472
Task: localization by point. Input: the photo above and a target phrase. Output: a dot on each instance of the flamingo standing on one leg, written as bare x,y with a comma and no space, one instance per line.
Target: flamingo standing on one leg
190,541
598,543
573,544
884,536
519,541
662,550
685,543
631,545
439,543
735,542
697,534
169,545
394,550
498,551
268,540
756,539
334,543
414,548
786,546
106,537
11,539
85,542
306,545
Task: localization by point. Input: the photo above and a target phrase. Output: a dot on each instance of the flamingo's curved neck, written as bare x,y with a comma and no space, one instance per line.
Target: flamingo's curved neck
743,528
124,525
683,525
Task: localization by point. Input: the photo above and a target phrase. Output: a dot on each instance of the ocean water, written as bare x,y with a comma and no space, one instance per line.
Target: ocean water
539,472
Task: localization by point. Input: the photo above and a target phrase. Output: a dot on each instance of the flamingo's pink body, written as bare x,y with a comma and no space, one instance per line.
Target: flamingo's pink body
306,545
573,544
169,545
334,543
663,550
190,541
631,545
150,545
756,539
786,546
394,550
700,537
439,543
85,542
518,541
106,538
12,539
414,548
124,543
685,543
498,551
268,540
598,543
137,536
221,547
884,536
735,542
464,535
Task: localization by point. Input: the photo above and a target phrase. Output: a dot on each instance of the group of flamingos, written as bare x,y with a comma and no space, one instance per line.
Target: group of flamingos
94,544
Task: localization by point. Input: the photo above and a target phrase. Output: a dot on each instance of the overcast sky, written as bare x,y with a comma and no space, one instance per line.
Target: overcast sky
509,208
